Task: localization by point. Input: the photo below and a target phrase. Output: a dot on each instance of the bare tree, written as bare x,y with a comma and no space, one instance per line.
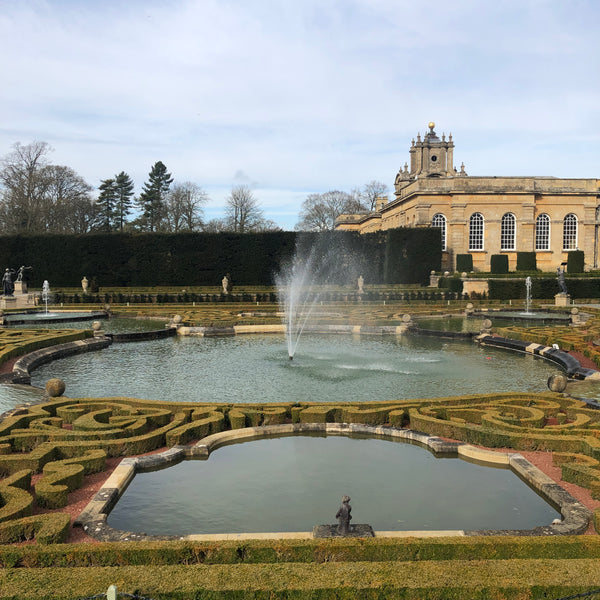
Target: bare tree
242,212
24,186
37,197
184,207
319,211
371,191
69,206
214,226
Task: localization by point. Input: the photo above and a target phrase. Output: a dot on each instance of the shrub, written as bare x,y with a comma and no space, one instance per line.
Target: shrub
575,261
464,263
526,261
499,263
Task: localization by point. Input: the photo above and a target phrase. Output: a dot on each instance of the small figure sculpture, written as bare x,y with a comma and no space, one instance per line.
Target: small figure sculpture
84,284
343,516
21,272
226,283
361,283
7,282
560,274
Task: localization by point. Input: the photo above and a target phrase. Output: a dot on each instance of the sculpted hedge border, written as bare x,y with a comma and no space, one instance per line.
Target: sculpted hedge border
64,439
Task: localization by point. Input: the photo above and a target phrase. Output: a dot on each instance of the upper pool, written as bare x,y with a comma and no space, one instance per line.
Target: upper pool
330,368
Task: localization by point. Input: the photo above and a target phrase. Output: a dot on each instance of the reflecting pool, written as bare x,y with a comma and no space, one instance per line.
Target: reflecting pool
294,483
332,368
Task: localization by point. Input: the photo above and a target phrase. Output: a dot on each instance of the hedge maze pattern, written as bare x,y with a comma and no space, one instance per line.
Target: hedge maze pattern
65,439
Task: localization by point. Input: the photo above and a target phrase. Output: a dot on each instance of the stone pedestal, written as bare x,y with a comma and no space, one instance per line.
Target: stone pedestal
20,287
8,302
562,299
328,531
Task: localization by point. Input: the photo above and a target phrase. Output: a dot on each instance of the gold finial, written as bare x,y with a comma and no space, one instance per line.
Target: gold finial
431,125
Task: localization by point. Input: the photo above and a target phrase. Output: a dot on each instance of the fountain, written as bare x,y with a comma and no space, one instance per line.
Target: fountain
527,296
297,298
45,293
318,261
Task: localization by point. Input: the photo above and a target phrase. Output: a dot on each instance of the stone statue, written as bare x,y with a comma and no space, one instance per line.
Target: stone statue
343,516
226,283
84,284
560,274
361,283
7,282
21,272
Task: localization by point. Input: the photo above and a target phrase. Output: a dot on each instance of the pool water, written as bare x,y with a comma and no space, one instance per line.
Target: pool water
294,483
256,369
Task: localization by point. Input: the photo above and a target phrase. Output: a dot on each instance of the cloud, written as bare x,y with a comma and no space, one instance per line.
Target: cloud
301,96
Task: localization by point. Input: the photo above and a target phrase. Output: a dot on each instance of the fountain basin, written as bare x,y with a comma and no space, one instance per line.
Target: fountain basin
431,505
256,369
33,318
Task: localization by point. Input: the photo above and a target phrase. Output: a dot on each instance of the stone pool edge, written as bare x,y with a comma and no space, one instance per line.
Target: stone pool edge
93,519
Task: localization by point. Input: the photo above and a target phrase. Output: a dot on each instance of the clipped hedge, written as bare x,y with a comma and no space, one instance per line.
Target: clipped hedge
283,551
411,254
64,476
464,263
575,261
203,424
499,263
526,261
52,528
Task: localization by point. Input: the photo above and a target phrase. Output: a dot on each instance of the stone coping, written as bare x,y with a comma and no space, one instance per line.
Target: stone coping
93,518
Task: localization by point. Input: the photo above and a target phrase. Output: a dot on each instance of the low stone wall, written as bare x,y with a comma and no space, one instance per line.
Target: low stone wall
142,336
21,372
567,362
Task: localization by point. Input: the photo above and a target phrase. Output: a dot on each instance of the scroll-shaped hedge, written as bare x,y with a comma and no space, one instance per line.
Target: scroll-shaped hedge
580,470
366,415
64,476
250,417
51,528
14,503
203,423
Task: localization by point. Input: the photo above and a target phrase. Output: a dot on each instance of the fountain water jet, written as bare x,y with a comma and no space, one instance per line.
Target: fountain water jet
527,296
318,261
45,293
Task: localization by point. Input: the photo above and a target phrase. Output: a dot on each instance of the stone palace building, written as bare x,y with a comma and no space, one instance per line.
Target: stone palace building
482,216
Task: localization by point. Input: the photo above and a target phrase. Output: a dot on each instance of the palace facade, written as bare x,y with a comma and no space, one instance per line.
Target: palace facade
483,216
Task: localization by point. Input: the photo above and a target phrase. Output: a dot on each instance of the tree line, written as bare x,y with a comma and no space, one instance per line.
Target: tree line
37,196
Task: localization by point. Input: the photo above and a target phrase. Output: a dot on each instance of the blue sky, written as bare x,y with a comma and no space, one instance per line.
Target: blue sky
295,97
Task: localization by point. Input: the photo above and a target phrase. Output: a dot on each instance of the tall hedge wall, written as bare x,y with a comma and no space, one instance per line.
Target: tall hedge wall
501,289
186,259
411,254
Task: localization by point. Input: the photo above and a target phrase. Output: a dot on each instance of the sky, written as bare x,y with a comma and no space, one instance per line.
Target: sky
293,97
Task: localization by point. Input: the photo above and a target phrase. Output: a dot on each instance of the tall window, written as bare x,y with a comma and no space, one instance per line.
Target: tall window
507,232
476,232
542,232
570,232
439,220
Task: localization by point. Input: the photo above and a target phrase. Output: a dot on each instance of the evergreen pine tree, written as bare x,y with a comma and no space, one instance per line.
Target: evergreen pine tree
123,193
152,199
106,204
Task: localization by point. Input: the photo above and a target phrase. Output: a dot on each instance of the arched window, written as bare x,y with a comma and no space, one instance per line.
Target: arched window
439,220
542,232
507,232
476,232
570,232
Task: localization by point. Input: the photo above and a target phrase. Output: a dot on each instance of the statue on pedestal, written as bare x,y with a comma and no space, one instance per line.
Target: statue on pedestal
343,516
560,274
7,282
